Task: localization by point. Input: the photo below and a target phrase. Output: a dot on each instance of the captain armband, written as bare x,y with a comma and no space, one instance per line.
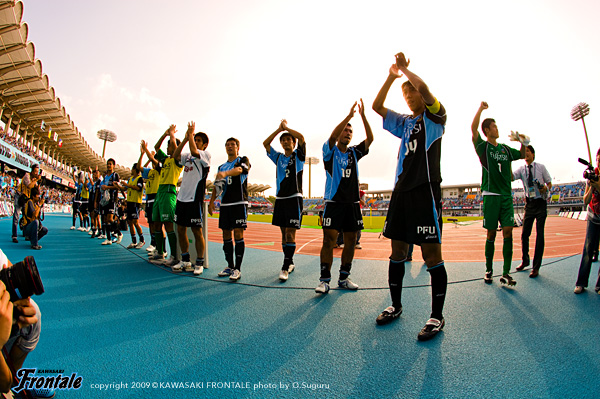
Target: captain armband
435,107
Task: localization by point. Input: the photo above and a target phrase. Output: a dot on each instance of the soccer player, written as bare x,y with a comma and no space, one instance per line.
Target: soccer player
163,211
232,178
288,201
151,177
94,206
77,179
537,183
415,210
342,209
85,201
188,210
496,177
135,191
108,203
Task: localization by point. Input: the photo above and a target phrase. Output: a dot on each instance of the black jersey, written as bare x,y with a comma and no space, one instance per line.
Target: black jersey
420,146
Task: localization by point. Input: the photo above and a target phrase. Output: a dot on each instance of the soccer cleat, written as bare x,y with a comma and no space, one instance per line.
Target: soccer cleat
130,246
521,267
388,314
140,244
235,275
91,232
198,270
283,275
188,267
157,259
347,284
358,246
81,229
180,266
432,327
72,227
488,278
322,288
291,268
36,247
579,289
150,248
102,237
170,262
508,280
14,239
341,246
226,272
119,238
107,242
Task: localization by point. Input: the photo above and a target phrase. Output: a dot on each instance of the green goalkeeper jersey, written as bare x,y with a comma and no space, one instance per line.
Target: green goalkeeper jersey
496,173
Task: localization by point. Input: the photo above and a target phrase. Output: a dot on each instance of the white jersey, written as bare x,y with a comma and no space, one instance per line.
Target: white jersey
194,173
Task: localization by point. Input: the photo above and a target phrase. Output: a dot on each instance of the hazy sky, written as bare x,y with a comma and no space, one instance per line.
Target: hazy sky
237,67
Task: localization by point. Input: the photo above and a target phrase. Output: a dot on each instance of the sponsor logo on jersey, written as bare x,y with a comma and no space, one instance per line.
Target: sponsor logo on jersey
499,157
426,230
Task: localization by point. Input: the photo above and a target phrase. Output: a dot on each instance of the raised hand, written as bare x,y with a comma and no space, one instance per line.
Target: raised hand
361,108
191,129
483,105
283,125
353,109
401,61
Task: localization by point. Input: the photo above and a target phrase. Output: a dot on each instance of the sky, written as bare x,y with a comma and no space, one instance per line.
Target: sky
237,67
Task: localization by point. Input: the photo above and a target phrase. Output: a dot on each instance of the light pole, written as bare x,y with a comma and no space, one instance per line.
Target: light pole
577,113
310,161
106,135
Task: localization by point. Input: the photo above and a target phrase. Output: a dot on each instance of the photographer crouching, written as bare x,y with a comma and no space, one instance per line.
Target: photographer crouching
591,198
31,216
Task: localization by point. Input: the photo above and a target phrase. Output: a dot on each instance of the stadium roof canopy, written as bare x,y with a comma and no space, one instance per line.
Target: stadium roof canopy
26,95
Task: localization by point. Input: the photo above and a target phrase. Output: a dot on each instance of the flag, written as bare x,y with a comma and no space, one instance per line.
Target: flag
50,133
60,143
55,138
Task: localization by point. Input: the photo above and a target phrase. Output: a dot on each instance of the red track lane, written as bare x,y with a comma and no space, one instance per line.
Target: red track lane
461,243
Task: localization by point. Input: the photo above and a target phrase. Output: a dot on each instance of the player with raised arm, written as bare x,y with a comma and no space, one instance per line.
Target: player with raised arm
415,210
232,181
287,213
163,212
188,211
496,159
342,209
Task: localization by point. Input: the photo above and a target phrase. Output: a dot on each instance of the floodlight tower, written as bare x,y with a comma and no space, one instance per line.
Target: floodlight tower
310,161
106,135
577,113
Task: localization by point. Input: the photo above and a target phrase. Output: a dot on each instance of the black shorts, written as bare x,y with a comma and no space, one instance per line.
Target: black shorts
415,216
76,206
342,216
84,208
133,210
233,217
189,214
149,203
108,209
288,212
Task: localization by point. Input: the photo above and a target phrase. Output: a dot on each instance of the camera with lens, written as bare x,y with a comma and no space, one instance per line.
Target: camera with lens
22,279
589,173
